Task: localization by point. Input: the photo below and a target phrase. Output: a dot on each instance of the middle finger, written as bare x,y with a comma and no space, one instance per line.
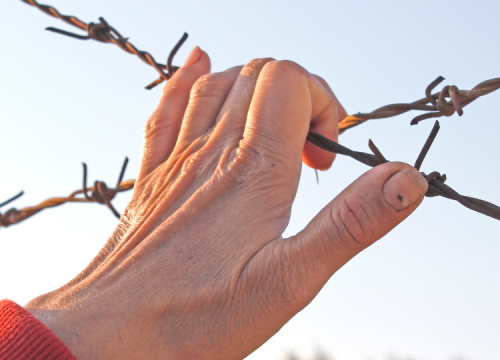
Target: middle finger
205,101
232,117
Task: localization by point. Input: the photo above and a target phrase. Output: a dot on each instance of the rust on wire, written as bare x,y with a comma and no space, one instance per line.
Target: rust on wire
435,105
105,33
170,68
99,193
435,180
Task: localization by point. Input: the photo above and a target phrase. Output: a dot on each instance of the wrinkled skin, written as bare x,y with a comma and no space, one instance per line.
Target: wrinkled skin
197,267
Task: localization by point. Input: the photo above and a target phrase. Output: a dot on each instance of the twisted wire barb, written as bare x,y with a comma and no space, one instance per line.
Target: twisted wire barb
99,193
435,180
12,199
105,33
436,104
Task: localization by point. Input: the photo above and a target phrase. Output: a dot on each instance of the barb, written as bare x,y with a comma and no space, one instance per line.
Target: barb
436,104
427,146
12,199
171,69
376,152
99,193
435,180
105,33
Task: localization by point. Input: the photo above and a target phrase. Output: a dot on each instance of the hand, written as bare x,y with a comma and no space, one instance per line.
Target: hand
197,267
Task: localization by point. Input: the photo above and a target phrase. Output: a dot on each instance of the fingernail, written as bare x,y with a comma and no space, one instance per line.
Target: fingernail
404,189
193,57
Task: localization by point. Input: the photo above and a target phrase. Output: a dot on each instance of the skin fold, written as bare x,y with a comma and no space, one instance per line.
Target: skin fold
197,267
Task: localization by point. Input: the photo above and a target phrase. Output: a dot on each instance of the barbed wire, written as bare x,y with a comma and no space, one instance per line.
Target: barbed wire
437,187
105,33
436,106
12,199
100,193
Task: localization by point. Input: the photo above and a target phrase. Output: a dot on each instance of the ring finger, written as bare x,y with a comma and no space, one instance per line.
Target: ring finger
205,101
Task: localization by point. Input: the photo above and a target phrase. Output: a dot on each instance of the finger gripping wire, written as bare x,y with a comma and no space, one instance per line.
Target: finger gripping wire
448,101
437,187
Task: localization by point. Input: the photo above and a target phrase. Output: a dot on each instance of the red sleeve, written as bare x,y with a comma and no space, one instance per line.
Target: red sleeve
24,337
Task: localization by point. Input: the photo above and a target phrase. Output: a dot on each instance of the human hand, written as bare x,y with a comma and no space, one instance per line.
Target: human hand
197,267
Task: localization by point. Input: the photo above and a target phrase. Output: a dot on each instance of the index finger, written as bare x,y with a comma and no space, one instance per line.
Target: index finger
288,101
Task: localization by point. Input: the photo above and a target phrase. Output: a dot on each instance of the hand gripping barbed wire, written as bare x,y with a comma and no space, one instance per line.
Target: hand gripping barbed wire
105,33
99,193
437,187
436,104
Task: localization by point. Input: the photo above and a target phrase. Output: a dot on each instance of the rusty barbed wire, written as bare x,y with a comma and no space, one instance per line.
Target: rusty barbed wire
436,104
105,33
99,193
12,199
437,187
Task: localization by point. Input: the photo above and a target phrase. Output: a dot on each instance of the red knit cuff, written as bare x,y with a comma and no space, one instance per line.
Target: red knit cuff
24,337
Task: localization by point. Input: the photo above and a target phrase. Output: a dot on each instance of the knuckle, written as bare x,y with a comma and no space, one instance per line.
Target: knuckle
189,163
324,83
211,85
199,162
176,85
199,158
285,66
159,124
239,164
192,163
244,167
245,162
255,65
355,225
152,127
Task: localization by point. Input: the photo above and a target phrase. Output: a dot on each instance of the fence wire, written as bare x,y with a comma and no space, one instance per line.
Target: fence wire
436,105
437,187
100,193
105,33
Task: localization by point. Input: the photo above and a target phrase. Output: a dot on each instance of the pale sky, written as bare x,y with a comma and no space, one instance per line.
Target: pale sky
428,291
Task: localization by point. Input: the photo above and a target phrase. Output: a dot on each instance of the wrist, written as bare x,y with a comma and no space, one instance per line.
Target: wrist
23,333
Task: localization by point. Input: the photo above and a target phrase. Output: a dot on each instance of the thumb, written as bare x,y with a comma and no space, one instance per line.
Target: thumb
363,213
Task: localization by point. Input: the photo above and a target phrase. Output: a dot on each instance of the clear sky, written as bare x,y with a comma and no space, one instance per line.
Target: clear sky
429,290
